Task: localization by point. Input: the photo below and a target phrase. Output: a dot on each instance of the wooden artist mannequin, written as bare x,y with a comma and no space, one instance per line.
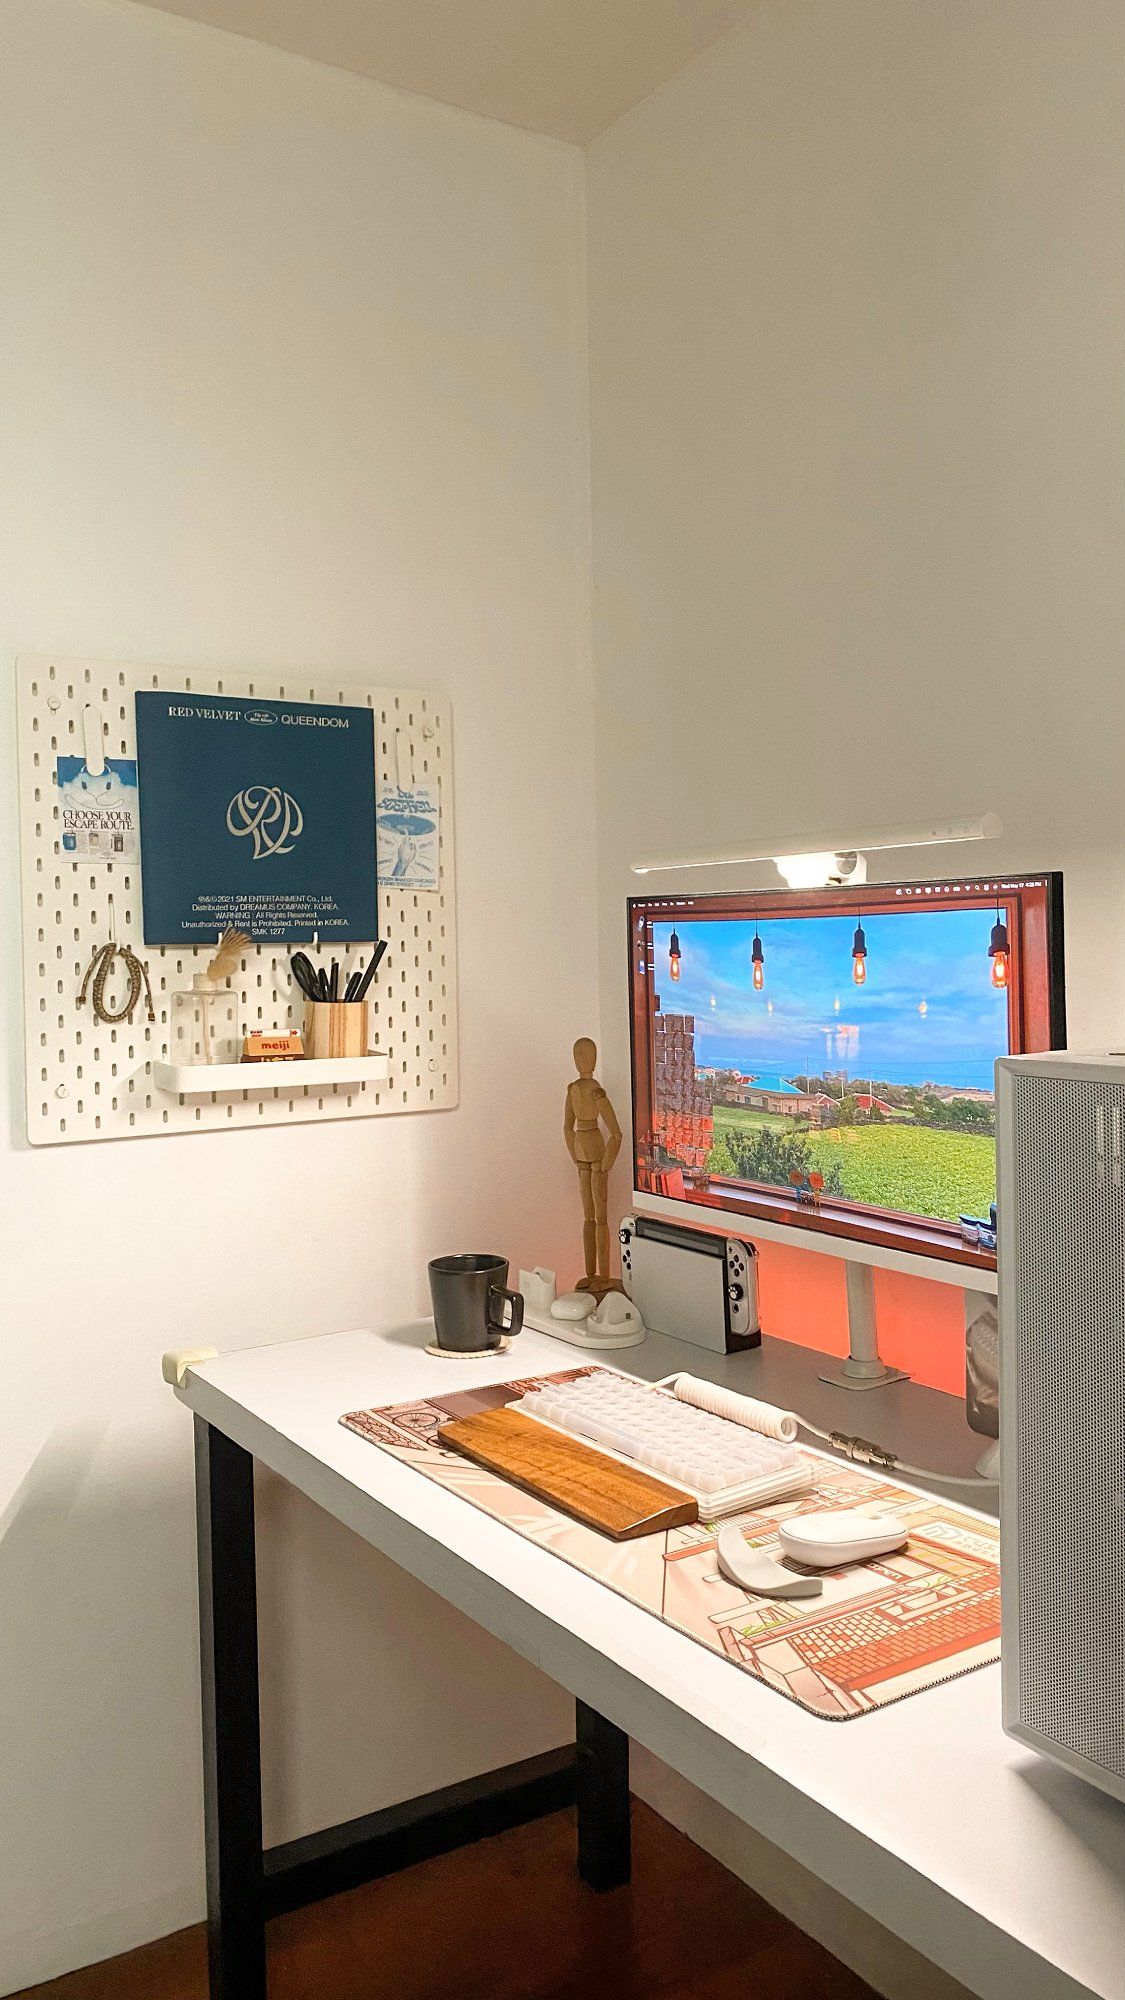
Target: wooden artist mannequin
587,1110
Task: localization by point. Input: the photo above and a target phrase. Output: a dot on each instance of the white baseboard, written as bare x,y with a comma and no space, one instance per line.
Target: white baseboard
27,1958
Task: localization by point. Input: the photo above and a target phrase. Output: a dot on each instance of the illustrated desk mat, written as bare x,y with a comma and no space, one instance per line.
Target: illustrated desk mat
882,1630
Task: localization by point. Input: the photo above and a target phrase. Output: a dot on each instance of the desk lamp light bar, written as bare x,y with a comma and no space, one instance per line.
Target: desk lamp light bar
822,854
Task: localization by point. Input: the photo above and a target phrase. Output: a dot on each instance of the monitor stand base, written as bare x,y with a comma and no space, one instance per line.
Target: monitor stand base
863,1368
840,1379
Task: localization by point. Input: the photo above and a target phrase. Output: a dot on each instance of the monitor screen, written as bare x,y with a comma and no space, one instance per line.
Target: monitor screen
831,1052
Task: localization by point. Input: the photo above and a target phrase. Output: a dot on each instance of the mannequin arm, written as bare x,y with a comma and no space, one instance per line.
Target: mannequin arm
613,1143
568,1128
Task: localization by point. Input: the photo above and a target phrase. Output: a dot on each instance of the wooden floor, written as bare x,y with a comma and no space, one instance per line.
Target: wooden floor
508,1919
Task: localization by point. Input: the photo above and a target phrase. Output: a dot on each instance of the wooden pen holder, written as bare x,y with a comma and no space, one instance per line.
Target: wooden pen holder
336,1028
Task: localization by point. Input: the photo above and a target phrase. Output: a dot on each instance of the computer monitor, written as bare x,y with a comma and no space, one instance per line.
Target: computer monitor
824,1059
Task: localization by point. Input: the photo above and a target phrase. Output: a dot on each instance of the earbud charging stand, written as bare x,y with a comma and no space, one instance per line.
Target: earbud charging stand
580,1332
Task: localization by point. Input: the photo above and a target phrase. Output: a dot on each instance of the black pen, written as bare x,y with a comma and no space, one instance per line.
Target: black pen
369,975
334,981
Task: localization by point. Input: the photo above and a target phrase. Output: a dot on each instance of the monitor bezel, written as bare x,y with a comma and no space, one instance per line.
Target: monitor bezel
1037,1023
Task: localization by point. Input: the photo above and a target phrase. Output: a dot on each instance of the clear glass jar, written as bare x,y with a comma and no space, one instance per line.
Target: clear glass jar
205,1027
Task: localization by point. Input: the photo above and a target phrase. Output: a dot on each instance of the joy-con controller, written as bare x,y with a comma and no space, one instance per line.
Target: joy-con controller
742,1288
625,1234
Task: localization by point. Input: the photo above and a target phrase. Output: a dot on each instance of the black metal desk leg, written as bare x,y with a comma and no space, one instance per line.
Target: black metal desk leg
604,1852
232,1769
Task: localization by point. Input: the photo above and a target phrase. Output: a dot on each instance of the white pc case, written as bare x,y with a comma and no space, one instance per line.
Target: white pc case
1061,1201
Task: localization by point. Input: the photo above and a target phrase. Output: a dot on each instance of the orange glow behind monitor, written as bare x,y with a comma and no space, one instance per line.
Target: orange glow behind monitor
823,1059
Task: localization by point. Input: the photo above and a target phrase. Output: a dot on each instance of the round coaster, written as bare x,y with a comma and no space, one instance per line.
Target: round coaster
478,1353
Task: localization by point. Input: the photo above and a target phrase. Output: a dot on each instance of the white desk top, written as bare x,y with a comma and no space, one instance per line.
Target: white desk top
1008,1873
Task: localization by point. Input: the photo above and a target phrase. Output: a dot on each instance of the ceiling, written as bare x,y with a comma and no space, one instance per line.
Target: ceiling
565,67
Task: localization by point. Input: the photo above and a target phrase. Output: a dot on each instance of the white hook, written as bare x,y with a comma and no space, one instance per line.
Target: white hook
93,732
112,920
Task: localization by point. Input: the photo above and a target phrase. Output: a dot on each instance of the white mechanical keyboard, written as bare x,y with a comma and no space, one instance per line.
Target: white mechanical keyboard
725,1466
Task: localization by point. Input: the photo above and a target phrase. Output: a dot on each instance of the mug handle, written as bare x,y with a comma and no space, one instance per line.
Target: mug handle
515,1300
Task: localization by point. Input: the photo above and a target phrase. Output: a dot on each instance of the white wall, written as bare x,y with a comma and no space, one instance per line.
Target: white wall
291,375
856,410
856,349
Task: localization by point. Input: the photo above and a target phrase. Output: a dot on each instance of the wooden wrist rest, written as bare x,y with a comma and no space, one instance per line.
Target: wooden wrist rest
617,1499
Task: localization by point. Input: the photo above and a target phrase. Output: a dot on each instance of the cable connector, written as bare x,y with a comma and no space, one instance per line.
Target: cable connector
862,1450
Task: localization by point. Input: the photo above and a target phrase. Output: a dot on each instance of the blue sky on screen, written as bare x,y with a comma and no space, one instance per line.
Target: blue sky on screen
819,1020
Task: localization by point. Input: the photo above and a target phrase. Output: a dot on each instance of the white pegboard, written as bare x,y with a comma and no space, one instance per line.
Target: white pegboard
86,1080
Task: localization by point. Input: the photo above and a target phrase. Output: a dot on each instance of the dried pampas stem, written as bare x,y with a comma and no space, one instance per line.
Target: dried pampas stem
232,944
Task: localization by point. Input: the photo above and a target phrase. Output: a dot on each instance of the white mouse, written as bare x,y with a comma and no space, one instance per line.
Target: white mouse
825,1541
573,1305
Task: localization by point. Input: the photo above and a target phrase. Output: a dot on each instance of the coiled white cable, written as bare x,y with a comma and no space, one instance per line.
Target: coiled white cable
745,1410
784,1425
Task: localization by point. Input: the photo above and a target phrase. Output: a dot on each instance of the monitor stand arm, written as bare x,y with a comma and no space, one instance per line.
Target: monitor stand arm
863,1369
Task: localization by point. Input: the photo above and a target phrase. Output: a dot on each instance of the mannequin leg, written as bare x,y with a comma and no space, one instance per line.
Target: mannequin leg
600,1191
589,1220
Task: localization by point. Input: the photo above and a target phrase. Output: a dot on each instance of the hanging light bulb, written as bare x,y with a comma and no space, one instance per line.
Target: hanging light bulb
758,963
859,957
1000,951
674,956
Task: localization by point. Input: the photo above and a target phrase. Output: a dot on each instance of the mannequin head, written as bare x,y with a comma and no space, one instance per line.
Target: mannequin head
585,1056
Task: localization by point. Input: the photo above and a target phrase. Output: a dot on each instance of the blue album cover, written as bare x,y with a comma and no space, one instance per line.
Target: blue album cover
259,814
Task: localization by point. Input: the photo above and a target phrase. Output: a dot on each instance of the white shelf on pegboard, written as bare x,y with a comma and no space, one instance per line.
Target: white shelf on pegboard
303,1073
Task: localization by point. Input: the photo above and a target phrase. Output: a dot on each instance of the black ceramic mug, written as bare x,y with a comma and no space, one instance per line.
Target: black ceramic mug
469,1295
